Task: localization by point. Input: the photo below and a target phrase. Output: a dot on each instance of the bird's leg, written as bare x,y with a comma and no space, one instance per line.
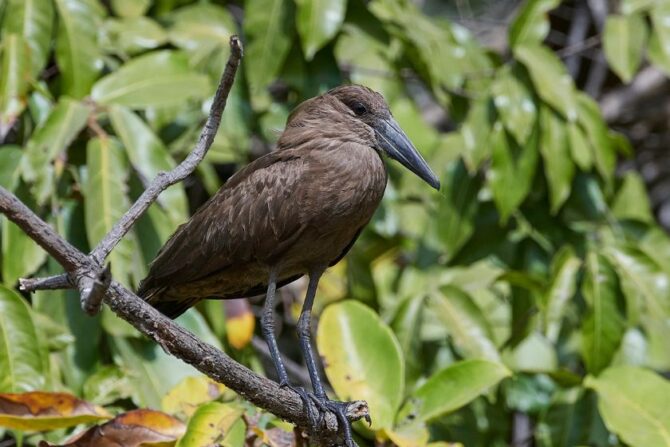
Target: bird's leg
305,336
268,330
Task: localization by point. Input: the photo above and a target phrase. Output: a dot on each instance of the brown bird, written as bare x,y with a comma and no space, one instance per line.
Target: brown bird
295,211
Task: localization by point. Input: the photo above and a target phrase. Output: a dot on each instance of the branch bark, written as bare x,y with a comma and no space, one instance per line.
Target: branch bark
87,274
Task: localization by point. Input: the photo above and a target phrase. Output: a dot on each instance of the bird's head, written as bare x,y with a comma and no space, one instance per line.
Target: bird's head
364,115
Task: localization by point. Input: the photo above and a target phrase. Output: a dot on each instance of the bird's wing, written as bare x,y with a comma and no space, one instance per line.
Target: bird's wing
253,215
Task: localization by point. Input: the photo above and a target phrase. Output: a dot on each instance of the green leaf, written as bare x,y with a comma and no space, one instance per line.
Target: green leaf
22,365
211,424
641,278
561,290
318,21
455,386
579,147
558,167
201,27
603,326
21,256
659,41
143,82
269,29
457,207
151,371
515,103
633,6
466,323
632,200
130,8
77,52
407,328
624,40
149,156
634,404
373,371
597,132
10,159
106,201
14,80
531,24
512,170
551,80
133,35
33,20
477,133
49,142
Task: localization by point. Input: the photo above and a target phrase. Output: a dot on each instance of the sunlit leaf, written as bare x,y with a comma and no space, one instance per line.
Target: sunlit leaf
632,200
143,82
14,79
579,147
465,323
268,27
21,256
597,133
624,39
210,424
515,103
134,35
373,371
477,133
318,21
130,8
603,324
455,386
634,404
201,27
22,367
531,24
148,155
49,142
33,20
551,80
189,394
562,288
558,167
10,159
658,50
512,170
39,411
106,200
77,52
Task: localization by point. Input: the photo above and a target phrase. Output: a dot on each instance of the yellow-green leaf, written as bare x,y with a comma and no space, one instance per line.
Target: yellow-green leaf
318,21
624,39
210,425
634,404
373,371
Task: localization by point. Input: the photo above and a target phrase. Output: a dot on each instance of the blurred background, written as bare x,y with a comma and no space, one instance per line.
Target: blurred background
525,304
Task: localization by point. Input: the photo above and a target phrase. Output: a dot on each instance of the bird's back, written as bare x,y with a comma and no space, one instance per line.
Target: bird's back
294,208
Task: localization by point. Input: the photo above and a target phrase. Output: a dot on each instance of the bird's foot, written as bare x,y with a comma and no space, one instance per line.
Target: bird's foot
340,410
306,398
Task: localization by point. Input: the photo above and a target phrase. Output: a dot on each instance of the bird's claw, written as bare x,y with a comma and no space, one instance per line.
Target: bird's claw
340,410
305,397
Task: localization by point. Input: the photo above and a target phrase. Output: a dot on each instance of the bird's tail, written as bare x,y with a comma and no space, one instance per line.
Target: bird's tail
169,306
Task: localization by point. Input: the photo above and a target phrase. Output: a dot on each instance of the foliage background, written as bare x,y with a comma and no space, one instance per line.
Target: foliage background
527,303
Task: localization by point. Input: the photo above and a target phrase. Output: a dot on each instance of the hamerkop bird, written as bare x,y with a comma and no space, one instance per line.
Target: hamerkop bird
295,211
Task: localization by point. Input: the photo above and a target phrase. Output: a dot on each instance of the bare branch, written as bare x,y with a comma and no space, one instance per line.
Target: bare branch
174,339
85,273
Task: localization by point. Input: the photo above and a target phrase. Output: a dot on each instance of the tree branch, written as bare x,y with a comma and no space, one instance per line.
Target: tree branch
91,302
87,274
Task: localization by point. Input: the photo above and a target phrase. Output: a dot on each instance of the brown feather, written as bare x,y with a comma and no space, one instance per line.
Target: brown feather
296,209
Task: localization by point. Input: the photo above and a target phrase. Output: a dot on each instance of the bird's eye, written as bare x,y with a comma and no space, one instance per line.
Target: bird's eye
358,108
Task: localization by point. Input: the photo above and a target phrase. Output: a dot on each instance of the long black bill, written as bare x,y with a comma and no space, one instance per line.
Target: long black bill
396,144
